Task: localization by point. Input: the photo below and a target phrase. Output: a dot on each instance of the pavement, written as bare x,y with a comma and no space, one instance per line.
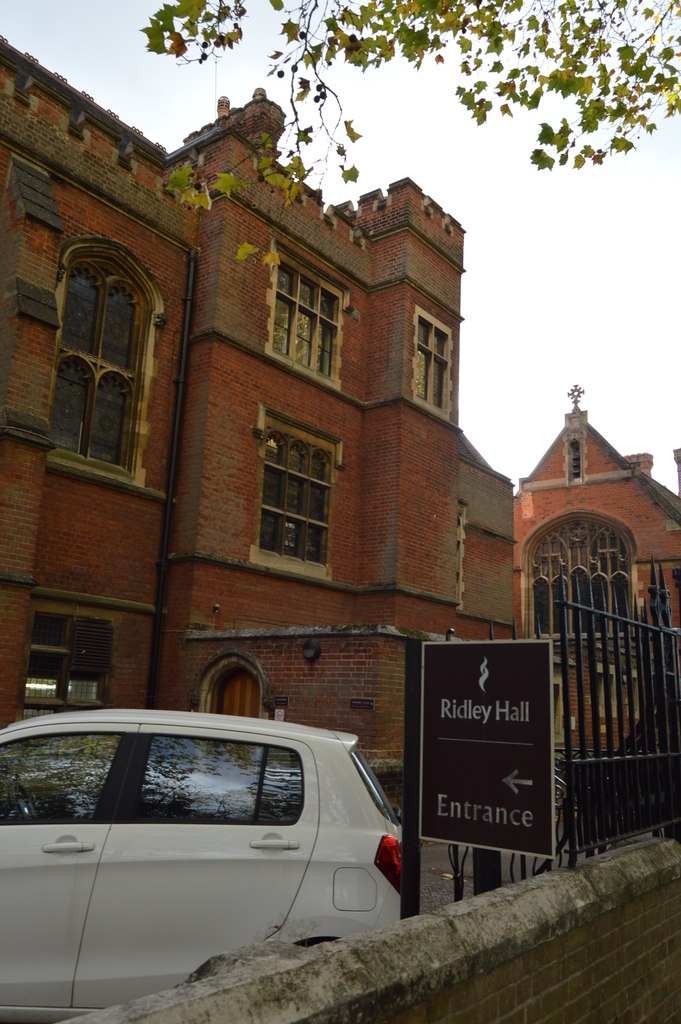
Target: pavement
437,877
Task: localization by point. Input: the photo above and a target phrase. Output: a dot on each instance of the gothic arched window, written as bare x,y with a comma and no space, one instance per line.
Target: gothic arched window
96,384
592,556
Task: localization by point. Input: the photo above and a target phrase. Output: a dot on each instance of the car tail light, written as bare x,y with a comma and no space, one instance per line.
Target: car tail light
388,859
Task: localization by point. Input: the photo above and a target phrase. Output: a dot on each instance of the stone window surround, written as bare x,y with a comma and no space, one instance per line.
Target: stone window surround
444,409
301,268
269,419
93,250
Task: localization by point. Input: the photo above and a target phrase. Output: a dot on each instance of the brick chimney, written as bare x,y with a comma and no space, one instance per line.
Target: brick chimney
257,118
644,460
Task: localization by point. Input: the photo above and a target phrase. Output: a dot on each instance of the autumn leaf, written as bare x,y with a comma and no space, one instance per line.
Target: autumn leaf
177,44
271,259
245,250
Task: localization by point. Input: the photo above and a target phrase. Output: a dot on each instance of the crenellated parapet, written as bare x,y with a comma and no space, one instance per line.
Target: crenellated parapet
406,206
46,121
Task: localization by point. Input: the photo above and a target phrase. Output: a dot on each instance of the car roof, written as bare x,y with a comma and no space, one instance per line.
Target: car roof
192,719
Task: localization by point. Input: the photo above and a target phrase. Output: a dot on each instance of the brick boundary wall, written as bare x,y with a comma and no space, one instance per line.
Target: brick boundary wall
596,944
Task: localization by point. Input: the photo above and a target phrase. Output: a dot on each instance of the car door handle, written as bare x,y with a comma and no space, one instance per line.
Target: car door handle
71,846
274,844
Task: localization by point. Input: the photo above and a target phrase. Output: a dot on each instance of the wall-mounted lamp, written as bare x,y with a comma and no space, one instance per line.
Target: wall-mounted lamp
311,649
450,634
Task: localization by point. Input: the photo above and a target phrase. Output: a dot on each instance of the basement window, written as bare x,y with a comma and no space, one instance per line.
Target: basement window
69,664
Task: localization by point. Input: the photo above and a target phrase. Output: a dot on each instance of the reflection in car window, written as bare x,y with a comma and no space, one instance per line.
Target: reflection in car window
188,778
282,790
56,777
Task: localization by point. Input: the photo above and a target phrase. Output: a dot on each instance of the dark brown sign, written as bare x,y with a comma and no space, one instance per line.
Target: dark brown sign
487,752
362,703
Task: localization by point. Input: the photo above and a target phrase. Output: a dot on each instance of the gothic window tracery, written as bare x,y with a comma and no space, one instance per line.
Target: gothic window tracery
100,351
588,553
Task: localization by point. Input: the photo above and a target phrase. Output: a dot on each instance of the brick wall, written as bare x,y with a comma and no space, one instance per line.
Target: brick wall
611,489
76,534
595,945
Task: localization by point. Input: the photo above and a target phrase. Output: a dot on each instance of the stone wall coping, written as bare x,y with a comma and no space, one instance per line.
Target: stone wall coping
373,976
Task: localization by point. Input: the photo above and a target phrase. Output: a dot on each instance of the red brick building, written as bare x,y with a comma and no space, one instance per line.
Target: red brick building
226,485
600,516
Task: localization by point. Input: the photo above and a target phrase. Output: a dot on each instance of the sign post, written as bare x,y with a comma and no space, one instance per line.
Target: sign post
487,745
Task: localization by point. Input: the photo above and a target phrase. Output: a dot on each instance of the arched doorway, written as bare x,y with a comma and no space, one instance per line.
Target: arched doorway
239,694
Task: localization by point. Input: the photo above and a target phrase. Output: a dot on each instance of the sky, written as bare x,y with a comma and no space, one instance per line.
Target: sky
572,277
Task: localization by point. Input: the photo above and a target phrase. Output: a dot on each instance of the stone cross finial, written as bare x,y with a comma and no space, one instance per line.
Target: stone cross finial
575,393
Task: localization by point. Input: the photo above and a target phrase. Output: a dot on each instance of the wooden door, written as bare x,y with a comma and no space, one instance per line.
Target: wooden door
239,695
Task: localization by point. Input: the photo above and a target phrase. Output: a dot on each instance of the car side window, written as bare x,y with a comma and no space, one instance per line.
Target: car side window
188,778
281,798
55,777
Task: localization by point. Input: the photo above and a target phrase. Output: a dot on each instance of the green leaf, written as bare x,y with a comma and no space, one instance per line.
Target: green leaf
228,183
180,178
542,160
156,37
278,5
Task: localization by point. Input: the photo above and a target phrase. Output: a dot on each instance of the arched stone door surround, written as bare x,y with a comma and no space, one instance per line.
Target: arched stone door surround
235,684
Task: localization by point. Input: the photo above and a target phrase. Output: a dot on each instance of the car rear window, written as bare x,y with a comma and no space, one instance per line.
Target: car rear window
374,786
189,778
56,777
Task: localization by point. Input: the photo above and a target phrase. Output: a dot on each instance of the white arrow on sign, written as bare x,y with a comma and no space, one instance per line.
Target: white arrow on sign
512,781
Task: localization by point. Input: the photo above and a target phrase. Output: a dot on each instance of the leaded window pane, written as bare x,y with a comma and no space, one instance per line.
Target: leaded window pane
318,497
285,281
107,423
70,405
272,488
80,311
117,334
319,466
324,356
44,675
438,382
295,495
293,530
303,339
297,458
82,689
48,631
270,531
620,593
599,586
282,326
315,550
328,305
421,374
275,449
306,294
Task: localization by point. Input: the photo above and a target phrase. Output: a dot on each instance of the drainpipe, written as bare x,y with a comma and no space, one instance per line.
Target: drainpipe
162,565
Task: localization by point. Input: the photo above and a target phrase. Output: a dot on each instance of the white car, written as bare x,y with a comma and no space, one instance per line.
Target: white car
134,845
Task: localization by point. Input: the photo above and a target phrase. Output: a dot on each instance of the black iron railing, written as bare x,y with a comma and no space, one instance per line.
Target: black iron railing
618,762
